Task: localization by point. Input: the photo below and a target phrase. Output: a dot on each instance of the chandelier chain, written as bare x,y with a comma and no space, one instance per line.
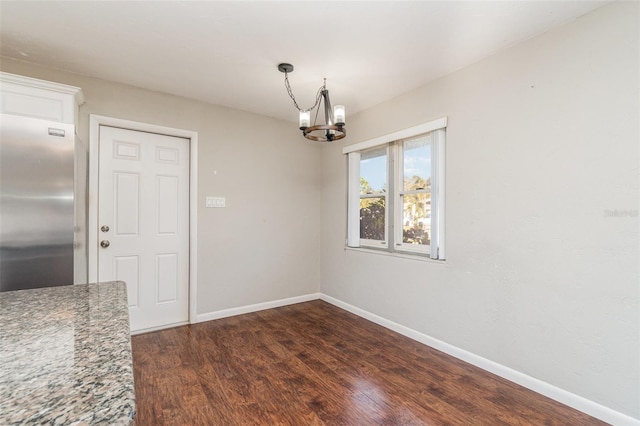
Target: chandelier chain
293,98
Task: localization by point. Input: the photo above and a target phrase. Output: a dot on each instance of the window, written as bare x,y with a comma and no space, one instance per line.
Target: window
396,192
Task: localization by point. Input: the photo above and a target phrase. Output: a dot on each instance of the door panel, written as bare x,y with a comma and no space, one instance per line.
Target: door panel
126,192
168,202
144,200
167,275
127,269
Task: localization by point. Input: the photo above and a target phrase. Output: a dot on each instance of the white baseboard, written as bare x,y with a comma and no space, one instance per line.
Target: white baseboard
256,307
567,398
161,327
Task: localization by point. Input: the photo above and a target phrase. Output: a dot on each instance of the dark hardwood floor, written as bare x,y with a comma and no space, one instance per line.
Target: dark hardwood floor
315,364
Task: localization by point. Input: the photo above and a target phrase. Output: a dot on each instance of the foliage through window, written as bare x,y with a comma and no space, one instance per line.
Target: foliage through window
415,190
373,194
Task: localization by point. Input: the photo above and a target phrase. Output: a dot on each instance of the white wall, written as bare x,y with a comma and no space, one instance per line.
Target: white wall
257,249
542,143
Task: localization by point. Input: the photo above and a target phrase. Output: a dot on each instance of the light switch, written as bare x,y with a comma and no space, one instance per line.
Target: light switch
211,202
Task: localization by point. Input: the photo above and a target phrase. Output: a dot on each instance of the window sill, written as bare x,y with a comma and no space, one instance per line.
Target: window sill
410,256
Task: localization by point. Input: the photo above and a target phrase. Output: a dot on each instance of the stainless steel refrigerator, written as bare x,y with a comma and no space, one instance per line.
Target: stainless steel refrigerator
36,203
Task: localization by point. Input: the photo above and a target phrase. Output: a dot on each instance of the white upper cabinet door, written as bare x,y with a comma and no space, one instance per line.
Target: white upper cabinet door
39,98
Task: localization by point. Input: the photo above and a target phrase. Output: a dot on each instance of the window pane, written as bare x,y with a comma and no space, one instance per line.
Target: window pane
372,218
417,164
416,219
373,171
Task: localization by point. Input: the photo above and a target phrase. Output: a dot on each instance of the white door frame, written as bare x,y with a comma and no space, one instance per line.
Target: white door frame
95,121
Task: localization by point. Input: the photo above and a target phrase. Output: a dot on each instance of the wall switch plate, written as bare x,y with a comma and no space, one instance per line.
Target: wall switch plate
211,202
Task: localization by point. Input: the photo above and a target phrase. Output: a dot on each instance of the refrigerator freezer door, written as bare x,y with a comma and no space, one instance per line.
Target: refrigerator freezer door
36,203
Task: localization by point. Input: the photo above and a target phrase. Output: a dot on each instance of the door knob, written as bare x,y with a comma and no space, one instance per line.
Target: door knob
104,228
104,243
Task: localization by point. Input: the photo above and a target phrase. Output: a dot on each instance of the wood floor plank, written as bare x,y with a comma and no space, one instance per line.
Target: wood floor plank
315,364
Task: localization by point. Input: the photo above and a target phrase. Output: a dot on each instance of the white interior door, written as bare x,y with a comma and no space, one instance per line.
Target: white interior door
143,220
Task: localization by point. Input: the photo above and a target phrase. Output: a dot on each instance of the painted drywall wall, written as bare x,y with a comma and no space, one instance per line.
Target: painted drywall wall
258,248
542,211
542,269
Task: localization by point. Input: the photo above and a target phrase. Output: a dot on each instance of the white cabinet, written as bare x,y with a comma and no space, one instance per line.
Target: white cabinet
39,98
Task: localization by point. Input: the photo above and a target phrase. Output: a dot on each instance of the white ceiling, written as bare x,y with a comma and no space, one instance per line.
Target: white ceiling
226,52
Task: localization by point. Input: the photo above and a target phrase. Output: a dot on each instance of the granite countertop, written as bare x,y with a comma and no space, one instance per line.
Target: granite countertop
65,356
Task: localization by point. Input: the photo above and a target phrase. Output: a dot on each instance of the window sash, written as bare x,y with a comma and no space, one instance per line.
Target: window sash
400,192
384,243
400,244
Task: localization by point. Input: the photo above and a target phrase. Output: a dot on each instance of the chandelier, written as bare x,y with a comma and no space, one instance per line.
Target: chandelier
333,127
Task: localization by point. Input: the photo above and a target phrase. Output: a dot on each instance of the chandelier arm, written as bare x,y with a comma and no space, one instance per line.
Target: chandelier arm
315,119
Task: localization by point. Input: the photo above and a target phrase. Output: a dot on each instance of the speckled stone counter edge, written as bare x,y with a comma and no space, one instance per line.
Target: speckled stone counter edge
65,356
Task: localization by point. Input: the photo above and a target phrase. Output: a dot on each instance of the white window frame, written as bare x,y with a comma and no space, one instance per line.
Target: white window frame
437,134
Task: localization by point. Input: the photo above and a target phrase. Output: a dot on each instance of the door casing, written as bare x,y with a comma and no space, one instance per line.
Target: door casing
95,121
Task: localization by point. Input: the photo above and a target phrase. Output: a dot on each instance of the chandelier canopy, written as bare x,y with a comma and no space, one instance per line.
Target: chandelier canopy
333,127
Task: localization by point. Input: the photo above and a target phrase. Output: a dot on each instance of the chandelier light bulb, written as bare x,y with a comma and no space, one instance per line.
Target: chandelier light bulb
339,114
305,119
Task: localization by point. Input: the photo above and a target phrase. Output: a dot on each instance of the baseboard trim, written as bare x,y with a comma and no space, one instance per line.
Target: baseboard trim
567,398
161,327
256,307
